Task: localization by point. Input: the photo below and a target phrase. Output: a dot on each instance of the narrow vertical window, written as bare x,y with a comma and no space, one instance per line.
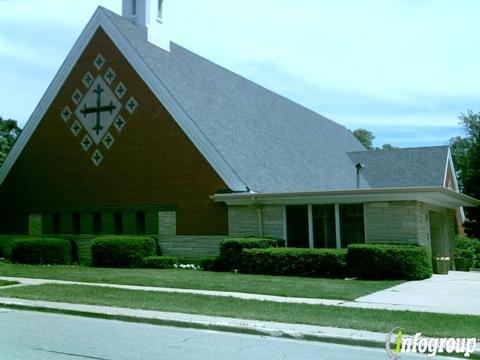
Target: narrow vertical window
352,225
160,9
97,223
56,224
118,223
140,222
76,224
324,226
133,10
297,226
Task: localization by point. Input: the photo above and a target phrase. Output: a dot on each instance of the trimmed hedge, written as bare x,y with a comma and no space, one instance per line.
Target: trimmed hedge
377,261
294,261
212,263
122,251
160,262
231,249
42,251
466,247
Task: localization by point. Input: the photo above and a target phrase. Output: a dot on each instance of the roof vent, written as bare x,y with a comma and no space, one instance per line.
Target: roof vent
359,166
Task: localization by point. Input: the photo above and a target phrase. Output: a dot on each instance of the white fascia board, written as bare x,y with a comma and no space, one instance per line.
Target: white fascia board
185,122
455,181
438,196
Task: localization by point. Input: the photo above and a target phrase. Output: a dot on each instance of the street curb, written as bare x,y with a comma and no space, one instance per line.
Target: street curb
203,326
249,330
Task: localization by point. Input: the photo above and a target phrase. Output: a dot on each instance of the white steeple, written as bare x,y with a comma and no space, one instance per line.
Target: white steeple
151,15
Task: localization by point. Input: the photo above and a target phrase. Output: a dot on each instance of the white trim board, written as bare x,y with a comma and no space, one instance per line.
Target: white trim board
183,119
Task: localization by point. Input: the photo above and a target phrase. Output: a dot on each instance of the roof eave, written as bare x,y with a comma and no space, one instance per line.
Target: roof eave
438,196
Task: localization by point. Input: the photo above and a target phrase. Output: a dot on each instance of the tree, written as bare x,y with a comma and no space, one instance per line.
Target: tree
365,137
9,132
466,158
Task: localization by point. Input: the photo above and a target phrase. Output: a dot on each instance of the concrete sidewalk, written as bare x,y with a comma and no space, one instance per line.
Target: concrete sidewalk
456,293
268,328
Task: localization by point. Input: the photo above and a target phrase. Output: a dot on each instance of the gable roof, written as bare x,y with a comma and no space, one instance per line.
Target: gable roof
411,167
254,139
272,143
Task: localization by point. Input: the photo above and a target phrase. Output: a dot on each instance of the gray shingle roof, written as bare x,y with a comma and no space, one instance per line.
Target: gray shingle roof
272,143
413,167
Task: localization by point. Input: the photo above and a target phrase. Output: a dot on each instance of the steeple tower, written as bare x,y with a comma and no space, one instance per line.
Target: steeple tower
150,15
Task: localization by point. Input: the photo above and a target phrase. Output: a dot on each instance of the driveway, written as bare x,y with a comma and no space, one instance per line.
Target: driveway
455,293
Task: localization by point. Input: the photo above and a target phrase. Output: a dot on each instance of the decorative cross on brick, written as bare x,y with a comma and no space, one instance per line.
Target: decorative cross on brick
97,110
109,76
120,90
87,79
97,157
66,113
86,142
108,141
119,123
131,105
99,62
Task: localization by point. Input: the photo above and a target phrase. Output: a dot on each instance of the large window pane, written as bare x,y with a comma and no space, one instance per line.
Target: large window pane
297,226
352,228
324,226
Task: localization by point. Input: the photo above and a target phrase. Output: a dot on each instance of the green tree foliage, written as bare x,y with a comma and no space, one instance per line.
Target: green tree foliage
9,132
466,158
366,138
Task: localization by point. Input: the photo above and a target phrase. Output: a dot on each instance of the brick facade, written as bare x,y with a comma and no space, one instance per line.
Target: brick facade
151,164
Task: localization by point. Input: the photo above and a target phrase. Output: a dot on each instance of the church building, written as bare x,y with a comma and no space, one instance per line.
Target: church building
138,135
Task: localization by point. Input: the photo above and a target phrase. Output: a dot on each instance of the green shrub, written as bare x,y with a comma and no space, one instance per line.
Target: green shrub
406,262
41,251
467,244
293,261
231,249
122,251
212,263
159,262
1,252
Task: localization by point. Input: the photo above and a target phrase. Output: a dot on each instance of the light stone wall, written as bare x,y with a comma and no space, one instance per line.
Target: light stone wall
35,224
403,222
190,247
167,223
245,221
272,221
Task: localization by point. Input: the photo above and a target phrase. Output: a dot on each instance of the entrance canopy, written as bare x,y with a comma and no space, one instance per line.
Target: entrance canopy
438,196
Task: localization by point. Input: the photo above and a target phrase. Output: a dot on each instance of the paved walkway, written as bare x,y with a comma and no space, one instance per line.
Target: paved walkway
456,293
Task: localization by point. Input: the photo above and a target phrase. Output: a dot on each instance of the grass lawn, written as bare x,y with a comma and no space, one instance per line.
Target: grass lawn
206,280
6,283
365,319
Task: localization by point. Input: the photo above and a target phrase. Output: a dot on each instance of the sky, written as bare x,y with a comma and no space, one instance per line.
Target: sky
403,69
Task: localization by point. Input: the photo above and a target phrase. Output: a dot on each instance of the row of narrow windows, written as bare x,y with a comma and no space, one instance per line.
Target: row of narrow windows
325,226
74,223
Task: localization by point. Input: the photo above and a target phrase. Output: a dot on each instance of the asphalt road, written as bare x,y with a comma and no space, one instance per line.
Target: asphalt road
28,335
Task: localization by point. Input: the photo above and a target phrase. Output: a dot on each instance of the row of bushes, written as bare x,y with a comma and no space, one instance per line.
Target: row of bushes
254,256
117,251
264,256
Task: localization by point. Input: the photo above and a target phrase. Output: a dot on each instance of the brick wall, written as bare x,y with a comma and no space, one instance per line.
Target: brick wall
151,164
